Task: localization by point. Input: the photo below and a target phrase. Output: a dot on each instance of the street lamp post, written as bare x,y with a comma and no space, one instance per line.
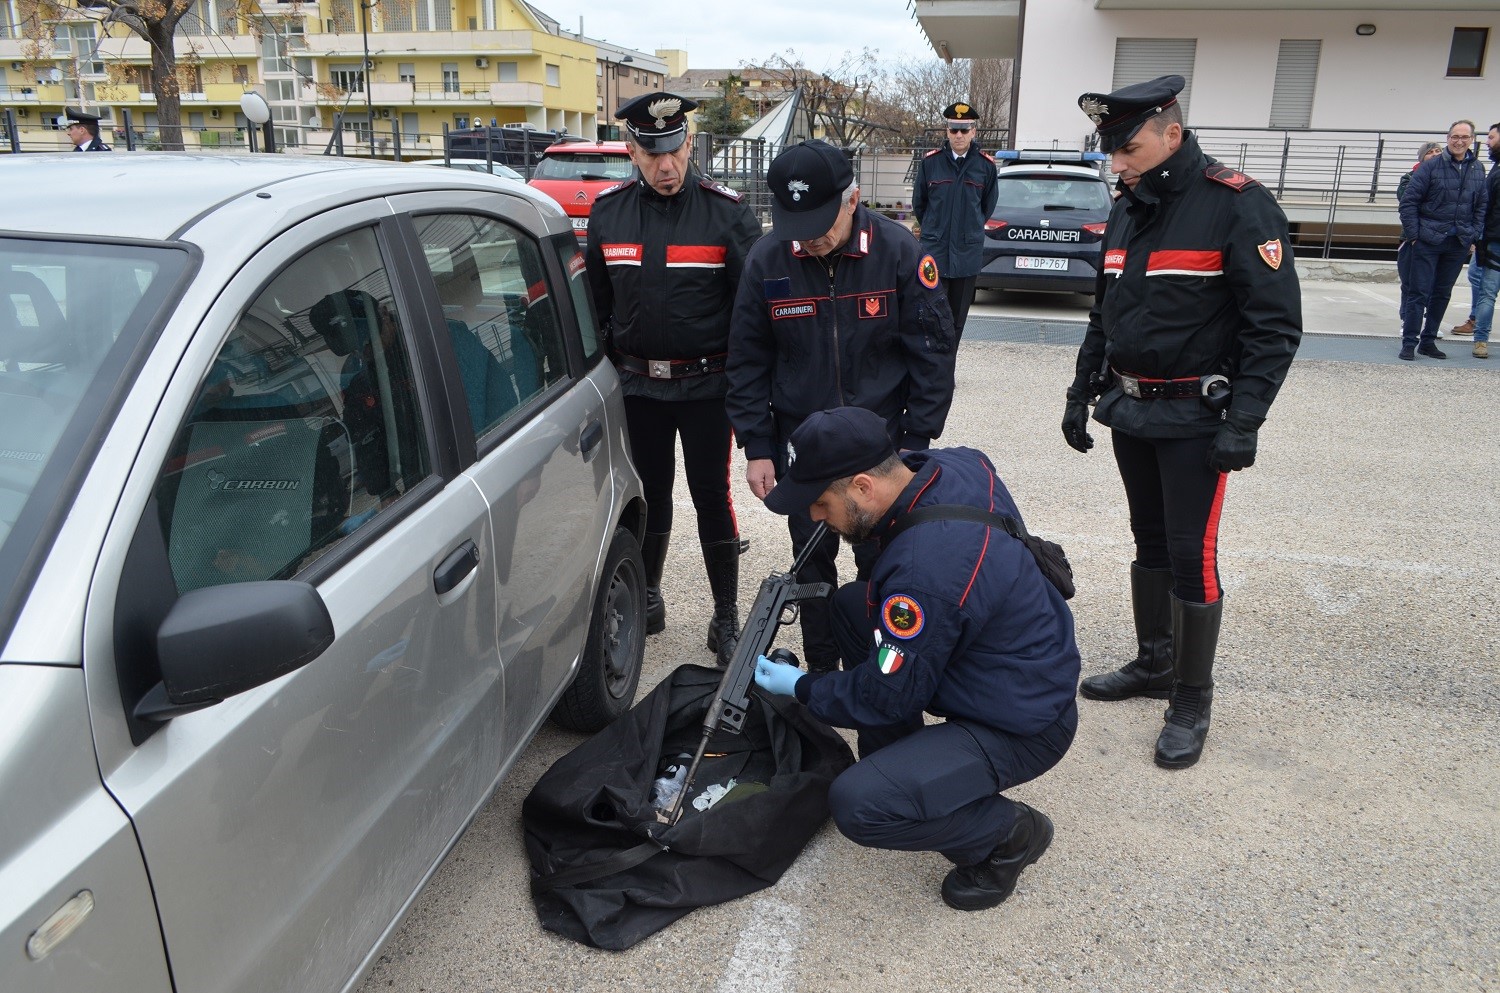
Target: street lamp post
364,73
611,69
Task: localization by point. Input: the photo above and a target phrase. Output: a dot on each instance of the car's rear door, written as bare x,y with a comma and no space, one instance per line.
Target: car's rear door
303,435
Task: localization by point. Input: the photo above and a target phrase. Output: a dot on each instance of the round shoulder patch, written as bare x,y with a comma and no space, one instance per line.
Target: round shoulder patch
927,272
902,616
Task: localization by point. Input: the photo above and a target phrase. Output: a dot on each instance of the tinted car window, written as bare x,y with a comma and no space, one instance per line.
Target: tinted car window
578,287
1047,192
583,166
500,315
306,425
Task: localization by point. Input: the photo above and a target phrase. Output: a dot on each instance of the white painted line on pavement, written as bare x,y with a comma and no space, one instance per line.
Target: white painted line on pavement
765,957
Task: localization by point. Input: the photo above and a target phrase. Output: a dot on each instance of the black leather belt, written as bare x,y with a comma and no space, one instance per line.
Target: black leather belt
671,368
1159,389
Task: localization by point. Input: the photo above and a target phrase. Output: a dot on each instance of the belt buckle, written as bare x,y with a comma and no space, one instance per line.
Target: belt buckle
1131,386
659,368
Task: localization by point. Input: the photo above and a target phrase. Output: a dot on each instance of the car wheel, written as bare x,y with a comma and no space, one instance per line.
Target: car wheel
611,665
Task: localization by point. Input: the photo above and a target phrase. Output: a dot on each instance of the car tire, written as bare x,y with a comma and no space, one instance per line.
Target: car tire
610,669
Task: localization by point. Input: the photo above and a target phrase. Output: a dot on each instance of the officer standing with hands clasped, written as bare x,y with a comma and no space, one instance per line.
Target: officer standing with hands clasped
958,621
953,196
837,307
1196,320
664,256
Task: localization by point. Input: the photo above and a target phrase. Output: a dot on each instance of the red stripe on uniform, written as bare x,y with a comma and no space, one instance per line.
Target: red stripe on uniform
625,254
1114,261
696,254
1211,591
983,548
1183,260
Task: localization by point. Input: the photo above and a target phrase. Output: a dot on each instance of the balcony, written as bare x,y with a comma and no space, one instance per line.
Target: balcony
19,94
390,44
497,94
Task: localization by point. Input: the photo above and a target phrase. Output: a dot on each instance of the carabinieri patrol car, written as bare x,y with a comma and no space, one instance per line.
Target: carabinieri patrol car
1047,229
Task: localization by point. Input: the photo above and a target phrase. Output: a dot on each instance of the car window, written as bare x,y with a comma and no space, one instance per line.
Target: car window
1043,192
501,318
584,166
571,257
306,425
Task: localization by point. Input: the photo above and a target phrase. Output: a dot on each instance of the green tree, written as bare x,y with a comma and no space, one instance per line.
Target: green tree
728,115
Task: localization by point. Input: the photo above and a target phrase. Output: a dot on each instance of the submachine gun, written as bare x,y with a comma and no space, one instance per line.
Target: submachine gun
775,605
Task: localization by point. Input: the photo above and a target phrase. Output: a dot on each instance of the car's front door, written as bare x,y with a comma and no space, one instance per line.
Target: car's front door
284,829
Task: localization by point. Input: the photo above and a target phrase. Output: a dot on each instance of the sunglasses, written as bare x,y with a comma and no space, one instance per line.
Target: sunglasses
959,130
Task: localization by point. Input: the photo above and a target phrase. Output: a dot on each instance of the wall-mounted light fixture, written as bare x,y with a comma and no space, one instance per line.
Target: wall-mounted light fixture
945,52
1364,30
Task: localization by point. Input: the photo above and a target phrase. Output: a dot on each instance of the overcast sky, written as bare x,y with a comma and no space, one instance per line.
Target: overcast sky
819,30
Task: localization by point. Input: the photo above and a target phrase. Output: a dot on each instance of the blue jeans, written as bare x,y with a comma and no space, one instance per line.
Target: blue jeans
1484,298
1430,277
1476,275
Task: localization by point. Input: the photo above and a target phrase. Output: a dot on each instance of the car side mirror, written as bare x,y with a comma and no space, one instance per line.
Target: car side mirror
223,640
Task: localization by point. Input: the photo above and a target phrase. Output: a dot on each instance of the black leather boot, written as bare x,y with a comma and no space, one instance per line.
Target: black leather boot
1195,630
979,887
654,555
1150,673
722,560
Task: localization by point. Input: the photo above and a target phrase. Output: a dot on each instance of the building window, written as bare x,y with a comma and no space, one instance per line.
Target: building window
1466,57
1138,60
76,42
510,72
407,71
450,77
1296,80
241,75
349,78
554,75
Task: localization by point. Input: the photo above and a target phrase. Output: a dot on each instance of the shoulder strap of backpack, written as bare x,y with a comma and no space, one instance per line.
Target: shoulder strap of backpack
958,512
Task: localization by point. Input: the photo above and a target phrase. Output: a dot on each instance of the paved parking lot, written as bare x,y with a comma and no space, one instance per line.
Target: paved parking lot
1339,834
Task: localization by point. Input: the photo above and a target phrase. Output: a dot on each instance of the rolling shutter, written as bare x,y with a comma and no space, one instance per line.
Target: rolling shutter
1296,79
1140,59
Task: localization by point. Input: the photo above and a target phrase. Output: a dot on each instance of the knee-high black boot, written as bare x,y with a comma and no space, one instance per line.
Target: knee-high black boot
654,554
1195,633
1150,673
722,560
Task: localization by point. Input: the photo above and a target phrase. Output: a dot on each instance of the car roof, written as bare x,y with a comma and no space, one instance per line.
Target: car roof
1054,171
154,196
605,147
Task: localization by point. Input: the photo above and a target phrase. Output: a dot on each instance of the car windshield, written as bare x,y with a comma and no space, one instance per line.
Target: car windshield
588,166
1043,192
71,315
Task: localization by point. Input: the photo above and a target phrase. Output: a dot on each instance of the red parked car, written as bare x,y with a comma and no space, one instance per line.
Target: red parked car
574,173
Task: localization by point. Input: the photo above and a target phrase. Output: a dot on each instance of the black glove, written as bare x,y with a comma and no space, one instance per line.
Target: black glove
1233,448
1075,424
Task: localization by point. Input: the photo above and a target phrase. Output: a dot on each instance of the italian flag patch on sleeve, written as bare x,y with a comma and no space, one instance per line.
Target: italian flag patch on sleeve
890,659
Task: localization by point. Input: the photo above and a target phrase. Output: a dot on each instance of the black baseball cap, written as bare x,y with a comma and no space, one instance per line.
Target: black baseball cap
829,445
807,184
657,121
1119,115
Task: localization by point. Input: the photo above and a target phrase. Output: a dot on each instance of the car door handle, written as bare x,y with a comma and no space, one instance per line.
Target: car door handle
588,442
464,560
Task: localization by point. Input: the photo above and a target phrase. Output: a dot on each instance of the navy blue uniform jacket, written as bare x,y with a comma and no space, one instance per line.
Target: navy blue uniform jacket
870,334
1443,199
980,633
952,200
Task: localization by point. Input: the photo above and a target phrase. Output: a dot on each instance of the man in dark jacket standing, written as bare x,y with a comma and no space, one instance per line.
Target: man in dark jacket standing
83,131
953,196
837,307
1196,318
956,621
1442,218
664,255
1484,271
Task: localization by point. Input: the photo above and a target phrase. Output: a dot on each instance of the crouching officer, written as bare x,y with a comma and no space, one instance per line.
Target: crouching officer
958,621
1196,318
664,255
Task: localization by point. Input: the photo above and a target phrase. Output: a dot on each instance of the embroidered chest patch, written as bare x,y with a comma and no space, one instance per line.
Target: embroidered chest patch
890,659
871,306
902,616
794,308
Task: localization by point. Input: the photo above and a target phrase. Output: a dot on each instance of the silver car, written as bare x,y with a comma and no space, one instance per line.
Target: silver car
315,501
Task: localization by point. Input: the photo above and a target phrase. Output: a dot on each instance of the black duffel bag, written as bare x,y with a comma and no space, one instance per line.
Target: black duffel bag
607,872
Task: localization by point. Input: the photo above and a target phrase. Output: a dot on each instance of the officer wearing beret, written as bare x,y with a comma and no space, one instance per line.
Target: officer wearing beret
83,131
1196,319
956,621
838,307
664,255
953,196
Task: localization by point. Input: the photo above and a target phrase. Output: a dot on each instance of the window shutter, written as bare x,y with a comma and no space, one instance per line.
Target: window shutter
1140,59
1296,80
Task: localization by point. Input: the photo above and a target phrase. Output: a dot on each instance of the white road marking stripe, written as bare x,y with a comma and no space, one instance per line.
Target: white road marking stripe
765,957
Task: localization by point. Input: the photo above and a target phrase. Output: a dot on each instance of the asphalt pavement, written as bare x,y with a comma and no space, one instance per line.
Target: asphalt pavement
1339,833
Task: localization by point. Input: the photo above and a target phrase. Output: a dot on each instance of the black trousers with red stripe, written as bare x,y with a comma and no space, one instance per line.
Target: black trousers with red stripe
654,427
1175,500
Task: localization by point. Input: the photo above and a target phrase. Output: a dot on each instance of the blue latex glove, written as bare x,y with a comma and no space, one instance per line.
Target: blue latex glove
776,678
